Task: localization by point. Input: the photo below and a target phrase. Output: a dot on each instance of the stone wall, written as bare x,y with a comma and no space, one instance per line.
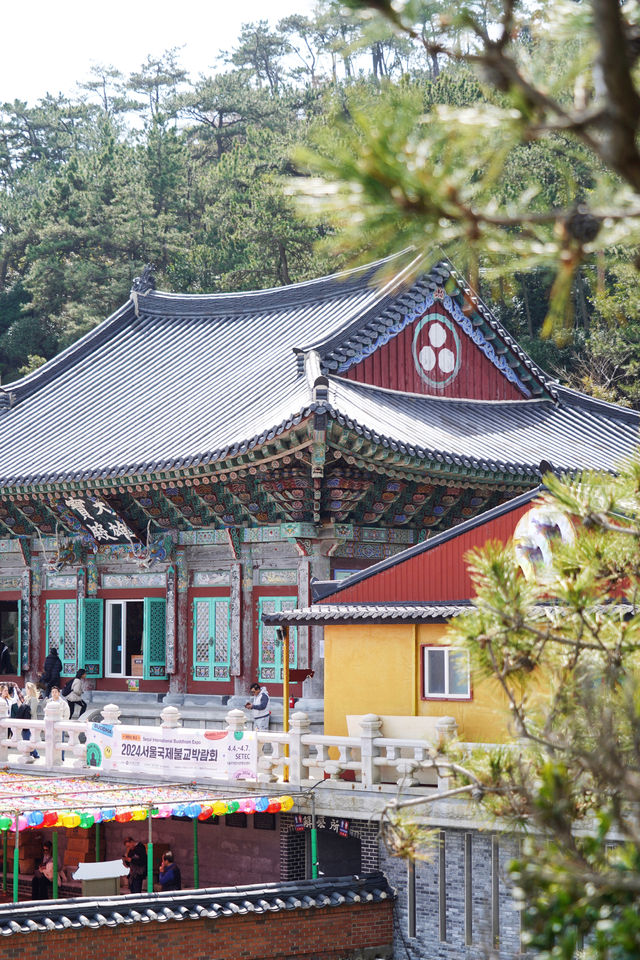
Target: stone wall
460,920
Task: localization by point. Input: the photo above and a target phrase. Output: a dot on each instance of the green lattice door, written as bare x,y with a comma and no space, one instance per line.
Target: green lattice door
270,652
90,636
211,639
62,632
154,638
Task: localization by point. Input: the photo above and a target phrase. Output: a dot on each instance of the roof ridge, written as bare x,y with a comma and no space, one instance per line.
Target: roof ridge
412,395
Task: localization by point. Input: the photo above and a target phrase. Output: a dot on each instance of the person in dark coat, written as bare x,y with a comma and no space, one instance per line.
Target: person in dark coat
52,670
136,859
6,663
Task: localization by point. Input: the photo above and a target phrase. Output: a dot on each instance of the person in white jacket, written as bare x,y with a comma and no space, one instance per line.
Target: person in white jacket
65,713
259,707
75,696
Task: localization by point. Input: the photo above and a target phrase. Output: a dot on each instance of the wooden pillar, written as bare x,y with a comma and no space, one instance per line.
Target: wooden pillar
36,642
178,678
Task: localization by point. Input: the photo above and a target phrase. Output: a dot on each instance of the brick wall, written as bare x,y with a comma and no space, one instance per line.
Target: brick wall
293,845
332,933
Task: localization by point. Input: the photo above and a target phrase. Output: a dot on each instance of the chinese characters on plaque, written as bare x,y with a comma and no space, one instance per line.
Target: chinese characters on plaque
98,520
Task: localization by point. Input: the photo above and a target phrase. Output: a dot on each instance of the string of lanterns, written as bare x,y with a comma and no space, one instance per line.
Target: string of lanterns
87,818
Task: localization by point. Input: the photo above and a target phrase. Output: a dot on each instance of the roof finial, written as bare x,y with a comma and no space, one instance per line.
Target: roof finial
146,281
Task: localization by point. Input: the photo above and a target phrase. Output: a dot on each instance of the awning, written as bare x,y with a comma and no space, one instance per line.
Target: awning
84,801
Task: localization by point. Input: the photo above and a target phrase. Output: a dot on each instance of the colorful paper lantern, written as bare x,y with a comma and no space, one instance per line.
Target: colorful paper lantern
50,819
108,814
262,804
274,806
219,808
35,818
248,805
71,820
286,803
124,816
139,814
205,813
5,822
22,823
193,810
97,815
86,820
233,806
164,810
178,810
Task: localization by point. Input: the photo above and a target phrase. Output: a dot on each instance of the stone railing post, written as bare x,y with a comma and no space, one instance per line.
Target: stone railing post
171,717
52,716
111,714
370,727
299,726
4,733
446,729
236,720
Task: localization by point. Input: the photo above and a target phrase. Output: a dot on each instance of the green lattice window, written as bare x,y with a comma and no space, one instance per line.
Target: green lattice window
270,652
62,632
211,639
154,638
90,636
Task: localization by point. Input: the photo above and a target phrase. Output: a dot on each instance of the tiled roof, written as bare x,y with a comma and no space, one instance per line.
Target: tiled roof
204,904
506,436
171,381
368,613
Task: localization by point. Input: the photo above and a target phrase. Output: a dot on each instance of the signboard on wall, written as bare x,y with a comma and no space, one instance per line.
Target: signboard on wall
96,519
173,751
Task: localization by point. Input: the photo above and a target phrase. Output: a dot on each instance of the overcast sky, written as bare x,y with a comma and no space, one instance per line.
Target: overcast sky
47,47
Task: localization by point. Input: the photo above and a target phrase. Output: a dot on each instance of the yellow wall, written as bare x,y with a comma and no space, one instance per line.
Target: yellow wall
377,669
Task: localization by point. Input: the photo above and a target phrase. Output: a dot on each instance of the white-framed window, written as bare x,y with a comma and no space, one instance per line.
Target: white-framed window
123,634
445,673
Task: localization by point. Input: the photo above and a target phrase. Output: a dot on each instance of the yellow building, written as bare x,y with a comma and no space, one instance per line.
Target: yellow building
386,648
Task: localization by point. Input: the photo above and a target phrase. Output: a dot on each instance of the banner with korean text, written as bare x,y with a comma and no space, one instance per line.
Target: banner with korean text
172,752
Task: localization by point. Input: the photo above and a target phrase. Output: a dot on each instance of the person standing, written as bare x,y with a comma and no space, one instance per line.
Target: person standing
52,670
6,664
42,882
29,711
65,711
135,858
259,707
169,873
74,697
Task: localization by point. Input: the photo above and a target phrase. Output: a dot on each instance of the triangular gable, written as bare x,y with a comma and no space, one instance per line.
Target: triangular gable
430,572
437,339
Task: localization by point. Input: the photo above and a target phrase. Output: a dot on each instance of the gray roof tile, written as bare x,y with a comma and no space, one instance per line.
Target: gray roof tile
368,613
24,918
171,380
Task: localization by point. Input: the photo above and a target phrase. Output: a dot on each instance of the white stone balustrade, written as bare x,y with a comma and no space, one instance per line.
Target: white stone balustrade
368,760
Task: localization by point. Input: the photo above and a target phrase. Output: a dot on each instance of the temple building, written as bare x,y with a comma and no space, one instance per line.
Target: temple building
194,461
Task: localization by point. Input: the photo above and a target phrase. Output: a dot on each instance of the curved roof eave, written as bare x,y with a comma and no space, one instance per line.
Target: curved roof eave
167,465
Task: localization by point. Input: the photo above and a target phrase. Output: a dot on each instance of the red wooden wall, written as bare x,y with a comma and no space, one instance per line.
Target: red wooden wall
438,574
392,366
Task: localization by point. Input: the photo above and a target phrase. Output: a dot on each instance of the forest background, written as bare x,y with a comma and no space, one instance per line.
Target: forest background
202,177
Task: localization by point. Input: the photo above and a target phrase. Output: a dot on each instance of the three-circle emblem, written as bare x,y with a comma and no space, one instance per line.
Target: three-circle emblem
436,350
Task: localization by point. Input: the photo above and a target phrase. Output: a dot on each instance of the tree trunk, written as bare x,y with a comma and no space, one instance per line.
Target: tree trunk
525,297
